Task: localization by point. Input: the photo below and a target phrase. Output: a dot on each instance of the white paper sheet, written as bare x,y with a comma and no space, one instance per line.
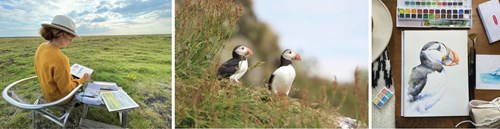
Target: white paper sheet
445,93
488,72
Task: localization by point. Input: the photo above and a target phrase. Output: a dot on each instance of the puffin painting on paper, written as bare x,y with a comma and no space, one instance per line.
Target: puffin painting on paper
234,68
427,83
282,79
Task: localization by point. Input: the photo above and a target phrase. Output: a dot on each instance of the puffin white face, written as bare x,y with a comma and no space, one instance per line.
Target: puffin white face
438,52
291,55
244,51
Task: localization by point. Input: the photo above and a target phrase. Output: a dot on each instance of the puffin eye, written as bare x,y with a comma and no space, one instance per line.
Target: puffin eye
289,52
242,48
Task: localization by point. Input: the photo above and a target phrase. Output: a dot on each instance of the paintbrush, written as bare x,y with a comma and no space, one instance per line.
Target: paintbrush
110,89
90,96
472,66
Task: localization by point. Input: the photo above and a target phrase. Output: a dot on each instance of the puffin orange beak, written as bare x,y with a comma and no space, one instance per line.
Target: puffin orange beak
297,57
249,53
455,60
455,57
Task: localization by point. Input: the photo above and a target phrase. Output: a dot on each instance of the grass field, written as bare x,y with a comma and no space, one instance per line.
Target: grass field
141,64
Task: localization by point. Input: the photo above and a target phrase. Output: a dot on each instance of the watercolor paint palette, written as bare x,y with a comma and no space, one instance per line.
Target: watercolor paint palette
382,97
434,13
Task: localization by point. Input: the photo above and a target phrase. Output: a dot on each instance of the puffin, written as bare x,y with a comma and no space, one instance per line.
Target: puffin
434,58
237,66
283,77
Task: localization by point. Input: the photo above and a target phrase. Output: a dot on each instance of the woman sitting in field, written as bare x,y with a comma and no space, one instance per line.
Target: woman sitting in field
51,65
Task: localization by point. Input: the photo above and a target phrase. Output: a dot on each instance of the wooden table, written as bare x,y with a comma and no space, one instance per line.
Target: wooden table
483,47
123,114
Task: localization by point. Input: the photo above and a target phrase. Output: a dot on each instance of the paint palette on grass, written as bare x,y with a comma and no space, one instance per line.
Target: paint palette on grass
382,97
434,13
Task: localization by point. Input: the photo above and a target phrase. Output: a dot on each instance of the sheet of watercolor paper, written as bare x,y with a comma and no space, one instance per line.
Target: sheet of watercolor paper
488,72
432,86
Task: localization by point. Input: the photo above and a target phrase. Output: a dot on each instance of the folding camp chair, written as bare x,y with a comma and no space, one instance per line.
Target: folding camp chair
39,107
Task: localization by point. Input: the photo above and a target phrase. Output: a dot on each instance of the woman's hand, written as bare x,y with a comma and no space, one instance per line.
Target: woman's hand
86,76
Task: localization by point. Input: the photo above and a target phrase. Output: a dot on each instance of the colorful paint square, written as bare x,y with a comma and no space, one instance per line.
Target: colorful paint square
375,100
384,99
380,104
388,94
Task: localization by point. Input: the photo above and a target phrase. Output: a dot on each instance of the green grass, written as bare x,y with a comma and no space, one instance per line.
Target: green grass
141,64
202,29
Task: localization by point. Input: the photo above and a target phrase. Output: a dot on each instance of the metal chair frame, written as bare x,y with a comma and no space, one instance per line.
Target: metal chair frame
38,107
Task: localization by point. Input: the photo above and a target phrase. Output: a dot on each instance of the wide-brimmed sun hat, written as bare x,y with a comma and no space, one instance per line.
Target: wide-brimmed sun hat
381,29
63,23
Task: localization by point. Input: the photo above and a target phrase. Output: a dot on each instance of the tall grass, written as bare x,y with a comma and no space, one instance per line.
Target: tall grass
201,27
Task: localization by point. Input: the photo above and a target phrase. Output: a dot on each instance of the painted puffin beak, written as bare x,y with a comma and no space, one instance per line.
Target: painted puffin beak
249,53
455,57
297,57
455,60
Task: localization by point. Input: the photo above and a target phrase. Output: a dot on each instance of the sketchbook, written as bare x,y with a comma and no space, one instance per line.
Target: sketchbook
118,100
79,70
490,14
434,74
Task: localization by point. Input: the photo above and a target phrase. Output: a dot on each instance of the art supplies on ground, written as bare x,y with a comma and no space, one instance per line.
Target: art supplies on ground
434,74
79,70
434,13
489,13
488,72
118,100
108,93
382,97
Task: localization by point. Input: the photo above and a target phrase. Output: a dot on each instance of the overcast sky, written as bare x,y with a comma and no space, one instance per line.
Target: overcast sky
23,18
334,32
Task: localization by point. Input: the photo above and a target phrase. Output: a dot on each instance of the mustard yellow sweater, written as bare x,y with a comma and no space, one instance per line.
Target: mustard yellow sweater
53,71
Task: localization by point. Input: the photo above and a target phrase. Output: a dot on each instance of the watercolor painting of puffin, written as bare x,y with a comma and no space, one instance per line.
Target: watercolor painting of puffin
428,80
